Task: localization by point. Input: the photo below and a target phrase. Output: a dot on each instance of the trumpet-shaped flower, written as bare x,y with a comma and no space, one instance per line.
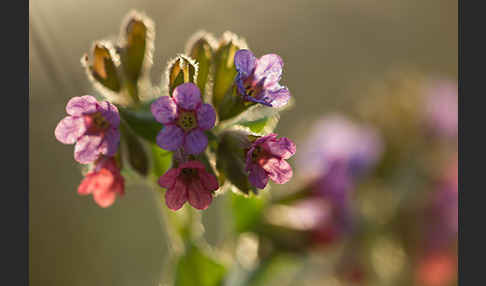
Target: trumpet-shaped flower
188,182
258,79
185,119
92,125
104,182
265,159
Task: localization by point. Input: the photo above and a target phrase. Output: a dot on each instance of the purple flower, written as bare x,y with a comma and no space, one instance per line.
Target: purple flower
92,125
266,159
339,147
441,108
185,118
258,79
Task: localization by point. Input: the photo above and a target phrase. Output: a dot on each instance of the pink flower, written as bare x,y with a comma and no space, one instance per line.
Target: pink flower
189,182
185,119
266,159
92,125
103,182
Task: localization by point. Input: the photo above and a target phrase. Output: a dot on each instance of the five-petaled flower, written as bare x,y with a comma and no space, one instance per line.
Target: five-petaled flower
258,79
265,158
104,182
185,118
188,182
92,125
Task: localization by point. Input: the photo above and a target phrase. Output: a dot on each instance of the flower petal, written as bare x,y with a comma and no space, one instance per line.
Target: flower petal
283,147
269,69
87,149
199,197
257,177
196,142
110,113
80,105
277,97
245,62
187,96
95,182
170,138
208,180
110,142
206,116
168,179
278,170
176,197
192,165
69,129
164,109
104,199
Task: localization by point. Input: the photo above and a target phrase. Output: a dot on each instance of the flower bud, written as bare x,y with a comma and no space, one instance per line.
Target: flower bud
103,70
180,70
225,71
136,45
201,47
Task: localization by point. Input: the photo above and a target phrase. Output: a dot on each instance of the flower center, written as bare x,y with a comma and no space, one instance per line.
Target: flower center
96,122
252,90
188,174
256,153
187,120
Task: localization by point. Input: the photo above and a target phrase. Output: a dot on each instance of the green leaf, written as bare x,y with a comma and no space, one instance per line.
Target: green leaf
200,48
180,70
142,122
224,67
247,212
197,268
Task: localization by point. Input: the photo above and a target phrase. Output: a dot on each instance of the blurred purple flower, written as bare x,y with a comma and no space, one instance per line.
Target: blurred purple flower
441,108
266,159
338,150
258,79
185,118
92,125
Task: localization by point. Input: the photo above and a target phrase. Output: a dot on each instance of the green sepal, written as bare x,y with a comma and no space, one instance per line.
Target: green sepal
142,122
136,153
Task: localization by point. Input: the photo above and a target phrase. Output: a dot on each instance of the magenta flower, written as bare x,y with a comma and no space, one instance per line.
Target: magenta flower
92,125
266,159
104,182
258,79
185,118
189,182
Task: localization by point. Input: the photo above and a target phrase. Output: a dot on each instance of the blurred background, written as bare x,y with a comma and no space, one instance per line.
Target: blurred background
373,61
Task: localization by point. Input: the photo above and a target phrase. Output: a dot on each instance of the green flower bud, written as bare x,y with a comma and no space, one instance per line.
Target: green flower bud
180,70
224,67
201,48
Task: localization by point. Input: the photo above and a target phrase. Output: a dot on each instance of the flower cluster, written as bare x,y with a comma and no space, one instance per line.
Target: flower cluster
217,87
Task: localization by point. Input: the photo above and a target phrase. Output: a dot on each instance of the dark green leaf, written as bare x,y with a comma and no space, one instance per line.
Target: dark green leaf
142,122
137,156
